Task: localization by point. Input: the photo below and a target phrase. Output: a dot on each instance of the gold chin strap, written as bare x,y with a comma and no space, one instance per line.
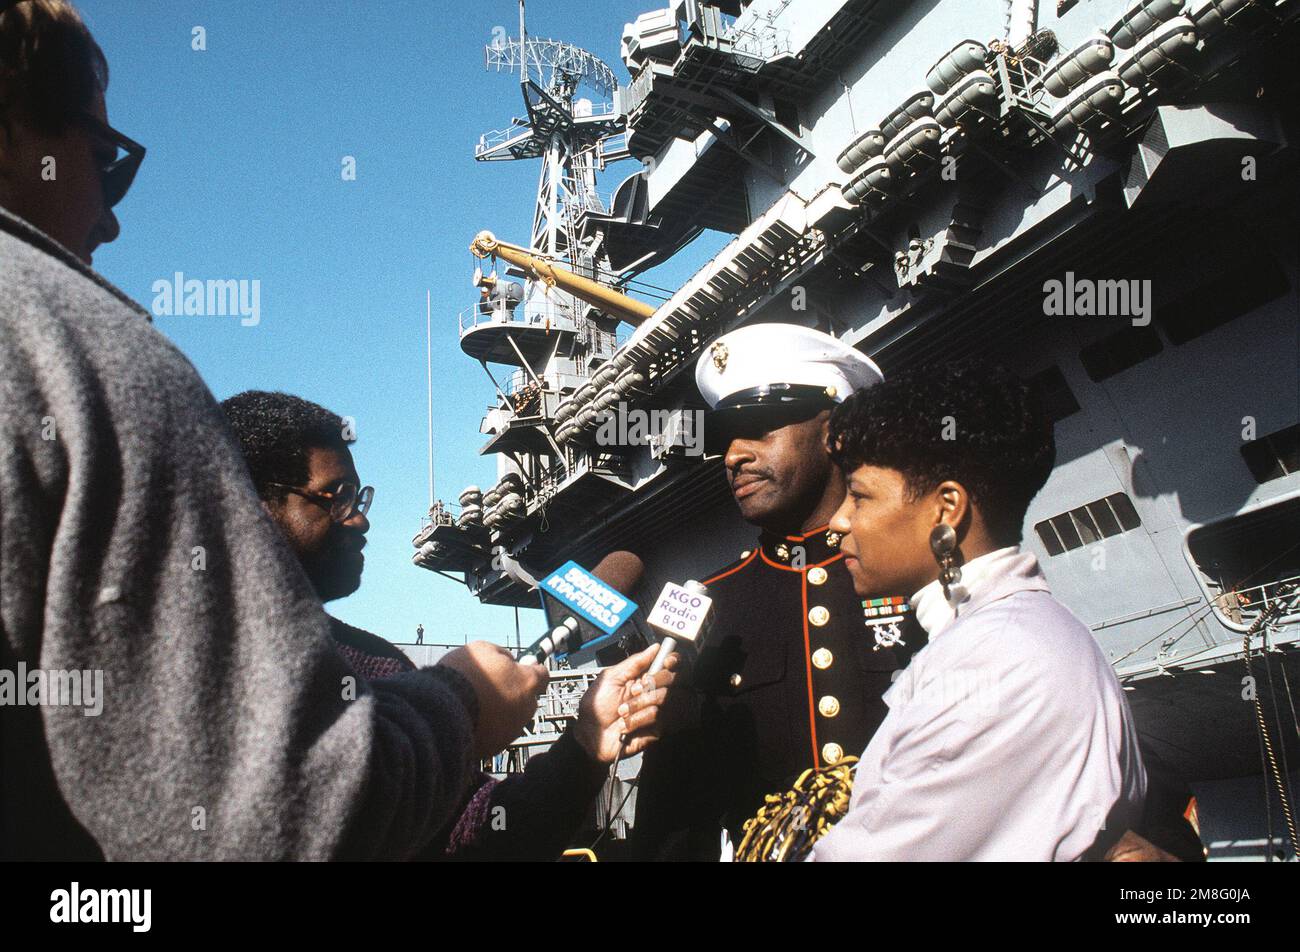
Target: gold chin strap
788,824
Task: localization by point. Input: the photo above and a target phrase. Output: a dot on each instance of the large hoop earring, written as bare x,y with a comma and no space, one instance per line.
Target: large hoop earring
943,543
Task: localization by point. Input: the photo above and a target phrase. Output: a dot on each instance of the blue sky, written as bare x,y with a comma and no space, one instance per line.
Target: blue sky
243,180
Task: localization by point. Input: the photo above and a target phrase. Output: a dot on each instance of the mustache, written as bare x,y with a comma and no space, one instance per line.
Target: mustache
345,538
737,471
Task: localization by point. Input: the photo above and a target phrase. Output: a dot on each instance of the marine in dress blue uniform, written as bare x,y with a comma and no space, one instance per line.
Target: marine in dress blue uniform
793,669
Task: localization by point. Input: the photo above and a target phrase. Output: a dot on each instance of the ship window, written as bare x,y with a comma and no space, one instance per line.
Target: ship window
1107,521
1119,351
1051,541
1250,279
1275,455
1246,559
1088,524
1083,521
1124,511
1053,392
1065,528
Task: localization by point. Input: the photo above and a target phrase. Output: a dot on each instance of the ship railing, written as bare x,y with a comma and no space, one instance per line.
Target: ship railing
440,514
598,110
763,42
1234,608
546,482
611,149
1238,609
639,89
563,694
523,396
498,137
583,201
521,380
550,314
540,485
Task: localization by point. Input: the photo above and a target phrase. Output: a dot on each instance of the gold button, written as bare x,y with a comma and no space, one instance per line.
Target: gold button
816,576
735,680
822,658
745,554
819,615
828,706
783,552
832,753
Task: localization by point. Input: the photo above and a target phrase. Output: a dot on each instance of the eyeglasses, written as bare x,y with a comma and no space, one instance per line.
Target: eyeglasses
341,503
117,174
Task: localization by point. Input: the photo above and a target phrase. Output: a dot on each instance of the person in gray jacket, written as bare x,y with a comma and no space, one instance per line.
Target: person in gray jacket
137,564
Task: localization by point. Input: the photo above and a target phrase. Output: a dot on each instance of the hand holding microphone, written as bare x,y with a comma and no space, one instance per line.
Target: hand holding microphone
619,714
507,692
680,615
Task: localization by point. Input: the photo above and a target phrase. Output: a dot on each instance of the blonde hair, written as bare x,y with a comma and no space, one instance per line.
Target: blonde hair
51,68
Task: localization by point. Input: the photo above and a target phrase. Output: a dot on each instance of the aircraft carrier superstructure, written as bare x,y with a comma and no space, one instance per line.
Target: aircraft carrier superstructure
1103,194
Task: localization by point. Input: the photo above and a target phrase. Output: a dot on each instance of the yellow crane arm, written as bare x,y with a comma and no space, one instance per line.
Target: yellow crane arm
552,275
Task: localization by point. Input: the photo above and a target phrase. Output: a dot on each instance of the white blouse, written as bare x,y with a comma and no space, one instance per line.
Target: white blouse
1008,736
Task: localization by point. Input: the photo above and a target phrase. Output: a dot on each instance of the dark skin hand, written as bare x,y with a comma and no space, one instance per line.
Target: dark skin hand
624,702
507,692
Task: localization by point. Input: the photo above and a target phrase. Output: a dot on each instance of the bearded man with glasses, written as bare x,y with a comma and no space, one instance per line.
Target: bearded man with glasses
302,467
303,470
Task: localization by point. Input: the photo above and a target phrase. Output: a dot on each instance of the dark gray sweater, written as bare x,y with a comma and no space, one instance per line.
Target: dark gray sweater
132,543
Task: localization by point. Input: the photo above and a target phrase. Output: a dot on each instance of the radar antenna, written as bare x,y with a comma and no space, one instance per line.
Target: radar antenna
573,124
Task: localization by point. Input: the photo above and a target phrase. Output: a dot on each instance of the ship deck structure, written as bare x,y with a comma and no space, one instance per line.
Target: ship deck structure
1101,194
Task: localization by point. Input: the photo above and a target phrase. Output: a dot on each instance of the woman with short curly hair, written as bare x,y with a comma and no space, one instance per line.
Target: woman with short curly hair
1008,735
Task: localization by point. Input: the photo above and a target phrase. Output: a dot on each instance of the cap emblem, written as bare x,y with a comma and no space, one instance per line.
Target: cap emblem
719,353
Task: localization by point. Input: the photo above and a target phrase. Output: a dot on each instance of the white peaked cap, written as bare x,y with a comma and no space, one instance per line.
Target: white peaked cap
740,368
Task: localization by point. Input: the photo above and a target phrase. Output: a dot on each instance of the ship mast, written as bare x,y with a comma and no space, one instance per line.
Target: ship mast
546,318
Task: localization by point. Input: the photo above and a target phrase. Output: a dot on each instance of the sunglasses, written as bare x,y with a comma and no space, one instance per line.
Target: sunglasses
117,174
341,503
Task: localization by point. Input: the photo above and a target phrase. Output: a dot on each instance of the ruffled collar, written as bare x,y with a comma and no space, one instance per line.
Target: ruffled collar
986,578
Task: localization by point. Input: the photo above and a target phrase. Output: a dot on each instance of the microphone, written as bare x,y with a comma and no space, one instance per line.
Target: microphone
557,639
594,604
679,615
